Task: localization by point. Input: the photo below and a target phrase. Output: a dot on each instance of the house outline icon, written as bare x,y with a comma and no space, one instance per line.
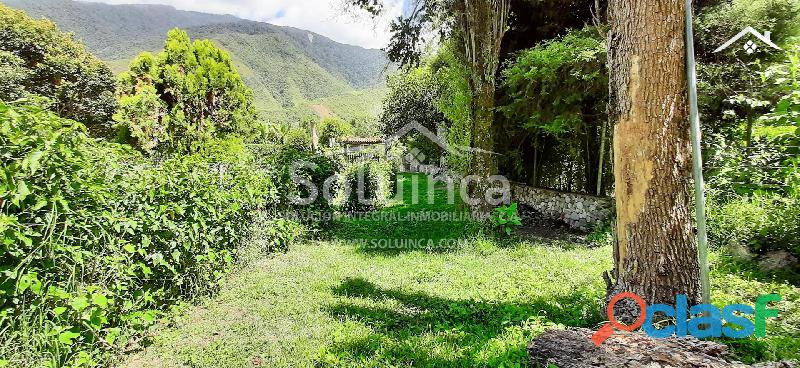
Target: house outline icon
457,150
764,38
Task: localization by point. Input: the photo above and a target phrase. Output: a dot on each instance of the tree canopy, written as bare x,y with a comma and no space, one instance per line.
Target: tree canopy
38,59
186,94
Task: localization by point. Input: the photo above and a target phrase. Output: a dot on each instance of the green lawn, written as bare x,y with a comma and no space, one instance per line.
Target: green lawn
343,303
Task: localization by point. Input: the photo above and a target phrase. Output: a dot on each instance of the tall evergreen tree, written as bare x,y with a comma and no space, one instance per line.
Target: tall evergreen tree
187,93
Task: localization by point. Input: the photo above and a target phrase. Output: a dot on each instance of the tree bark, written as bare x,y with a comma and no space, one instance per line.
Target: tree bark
655,254
574,348
483,25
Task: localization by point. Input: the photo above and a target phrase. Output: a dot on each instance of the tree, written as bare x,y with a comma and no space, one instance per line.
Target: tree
412,98
483,23
186,94
333,128
655,254
480,25
554,100
43,61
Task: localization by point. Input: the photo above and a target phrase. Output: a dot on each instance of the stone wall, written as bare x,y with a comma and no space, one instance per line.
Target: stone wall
579,211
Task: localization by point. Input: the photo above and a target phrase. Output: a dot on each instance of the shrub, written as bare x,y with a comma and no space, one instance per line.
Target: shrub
762,222
298,139
506,219
367,186
37,58
98,242
310,170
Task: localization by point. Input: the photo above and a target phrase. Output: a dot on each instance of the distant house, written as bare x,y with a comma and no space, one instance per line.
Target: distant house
749,46
358,148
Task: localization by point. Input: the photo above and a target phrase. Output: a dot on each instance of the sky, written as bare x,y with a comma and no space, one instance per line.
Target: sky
326,17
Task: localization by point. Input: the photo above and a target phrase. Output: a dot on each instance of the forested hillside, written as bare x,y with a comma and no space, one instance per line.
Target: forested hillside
286,67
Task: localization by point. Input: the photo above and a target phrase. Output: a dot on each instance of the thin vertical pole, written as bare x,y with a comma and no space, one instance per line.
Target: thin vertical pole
699,185
602,159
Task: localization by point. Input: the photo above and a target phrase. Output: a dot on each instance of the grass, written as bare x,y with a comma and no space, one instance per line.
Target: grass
337,303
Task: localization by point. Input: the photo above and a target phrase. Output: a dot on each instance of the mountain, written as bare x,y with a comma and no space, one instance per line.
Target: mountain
291,71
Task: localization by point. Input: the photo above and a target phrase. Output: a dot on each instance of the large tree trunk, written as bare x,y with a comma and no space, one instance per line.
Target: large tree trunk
655,254
484,164
483,25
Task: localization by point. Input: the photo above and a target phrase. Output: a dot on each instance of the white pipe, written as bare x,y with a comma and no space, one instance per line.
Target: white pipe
697,157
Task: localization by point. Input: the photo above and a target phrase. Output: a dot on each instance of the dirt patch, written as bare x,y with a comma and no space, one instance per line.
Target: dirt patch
537,227
322,111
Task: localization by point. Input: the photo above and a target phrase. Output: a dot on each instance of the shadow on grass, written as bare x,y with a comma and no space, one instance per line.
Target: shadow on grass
463,328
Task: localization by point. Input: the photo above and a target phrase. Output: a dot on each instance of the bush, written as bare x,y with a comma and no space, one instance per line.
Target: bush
762,222
298,139
505,219
367,186
36,58
98,242
313,170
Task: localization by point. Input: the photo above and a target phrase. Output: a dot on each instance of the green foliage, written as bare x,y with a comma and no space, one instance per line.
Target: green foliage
602,234
761,222
716,24
333,128
455,101
768,163
36,58
98,242
412,98
367,186
554,108
298,139
187,94
786,78
731,94
308,169
768,166
14,73
505,219
558,86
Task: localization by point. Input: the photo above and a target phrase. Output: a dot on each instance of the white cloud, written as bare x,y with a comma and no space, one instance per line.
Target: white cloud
326,17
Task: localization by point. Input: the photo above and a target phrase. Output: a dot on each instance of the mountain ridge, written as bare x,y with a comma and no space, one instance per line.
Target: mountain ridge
288,68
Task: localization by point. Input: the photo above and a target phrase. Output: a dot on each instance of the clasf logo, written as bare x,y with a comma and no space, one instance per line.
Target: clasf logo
688,321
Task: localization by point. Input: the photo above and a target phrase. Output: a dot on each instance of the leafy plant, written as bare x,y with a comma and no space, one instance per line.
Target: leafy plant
761,222
36,58
367,186
505,219
98,241
187,94
602,234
